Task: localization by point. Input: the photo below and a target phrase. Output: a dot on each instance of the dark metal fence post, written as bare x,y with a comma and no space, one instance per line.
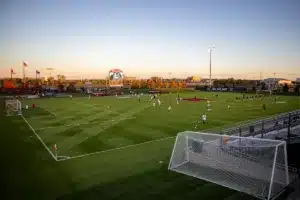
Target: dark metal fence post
289,128
240,133
262,129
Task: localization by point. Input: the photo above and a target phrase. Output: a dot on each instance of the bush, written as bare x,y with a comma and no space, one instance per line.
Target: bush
285,88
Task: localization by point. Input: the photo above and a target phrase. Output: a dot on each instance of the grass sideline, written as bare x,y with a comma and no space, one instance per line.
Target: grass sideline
127,173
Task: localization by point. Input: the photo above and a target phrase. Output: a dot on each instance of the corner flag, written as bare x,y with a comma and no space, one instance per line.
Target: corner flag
55,150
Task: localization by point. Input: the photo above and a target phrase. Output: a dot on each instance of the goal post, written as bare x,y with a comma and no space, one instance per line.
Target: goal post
13,107
251,165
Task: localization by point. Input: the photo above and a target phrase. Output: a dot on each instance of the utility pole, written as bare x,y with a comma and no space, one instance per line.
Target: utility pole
260,76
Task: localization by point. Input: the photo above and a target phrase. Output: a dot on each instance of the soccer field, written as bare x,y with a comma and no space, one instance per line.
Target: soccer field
117,148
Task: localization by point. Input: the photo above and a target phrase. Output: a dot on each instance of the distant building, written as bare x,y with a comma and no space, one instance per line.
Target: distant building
193,79
277,81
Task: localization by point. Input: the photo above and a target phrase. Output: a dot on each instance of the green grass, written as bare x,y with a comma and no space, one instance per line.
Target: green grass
81,126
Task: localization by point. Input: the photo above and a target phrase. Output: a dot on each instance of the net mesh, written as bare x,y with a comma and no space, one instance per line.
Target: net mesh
13,107
251,165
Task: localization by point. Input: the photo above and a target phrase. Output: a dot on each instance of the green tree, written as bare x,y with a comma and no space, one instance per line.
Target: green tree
285,88
297,88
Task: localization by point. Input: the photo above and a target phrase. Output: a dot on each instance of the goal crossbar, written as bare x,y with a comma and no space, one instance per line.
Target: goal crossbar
13,107
251,165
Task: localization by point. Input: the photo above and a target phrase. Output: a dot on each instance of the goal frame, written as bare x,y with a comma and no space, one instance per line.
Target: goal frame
13,106
280,172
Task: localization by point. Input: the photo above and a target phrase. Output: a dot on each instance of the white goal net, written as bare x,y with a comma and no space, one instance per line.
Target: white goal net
13,107
251,165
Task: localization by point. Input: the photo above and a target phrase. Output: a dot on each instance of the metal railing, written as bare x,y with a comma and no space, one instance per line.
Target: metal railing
282,121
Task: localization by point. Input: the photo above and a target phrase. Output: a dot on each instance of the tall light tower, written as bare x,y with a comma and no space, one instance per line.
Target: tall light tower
210,50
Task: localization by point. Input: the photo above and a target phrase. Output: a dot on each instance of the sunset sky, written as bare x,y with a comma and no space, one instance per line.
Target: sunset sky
151,37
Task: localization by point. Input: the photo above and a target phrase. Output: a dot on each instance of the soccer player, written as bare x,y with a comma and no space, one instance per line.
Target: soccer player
151,98
153,104
229,107
177,100
71,96
204,118
264,107
170,108
208,106
89,96
158,102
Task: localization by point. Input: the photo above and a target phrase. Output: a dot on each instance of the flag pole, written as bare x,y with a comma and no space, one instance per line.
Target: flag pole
55,149
23,75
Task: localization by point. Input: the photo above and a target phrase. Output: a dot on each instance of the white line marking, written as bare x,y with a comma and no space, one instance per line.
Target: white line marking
52,113
118,148
96,107
86,123
115,122
53,156
128,116
136,145
152,141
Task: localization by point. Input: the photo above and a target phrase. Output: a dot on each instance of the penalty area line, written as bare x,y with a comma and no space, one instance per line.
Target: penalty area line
52,113
124,147
118,148
40,139
158,140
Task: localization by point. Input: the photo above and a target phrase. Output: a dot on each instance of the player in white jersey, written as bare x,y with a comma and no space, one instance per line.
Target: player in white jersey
89,96
158,102
229,107
71,96
208,106
204,118
154,104
169,108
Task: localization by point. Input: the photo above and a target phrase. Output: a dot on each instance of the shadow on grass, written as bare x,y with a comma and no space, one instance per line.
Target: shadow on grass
159,184
27,169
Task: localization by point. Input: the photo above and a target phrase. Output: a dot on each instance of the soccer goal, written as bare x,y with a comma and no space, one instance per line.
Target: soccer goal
13,107
251,165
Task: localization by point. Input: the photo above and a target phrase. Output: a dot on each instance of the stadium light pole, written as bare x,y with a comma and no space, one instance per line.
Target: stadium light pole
210,50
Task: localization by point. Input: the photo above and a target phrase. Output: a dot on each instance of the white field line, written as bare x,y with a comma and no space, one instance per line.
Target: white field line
94,106
40,139
52,113
114,123
119,148
68,125
148,142
128,116
86,123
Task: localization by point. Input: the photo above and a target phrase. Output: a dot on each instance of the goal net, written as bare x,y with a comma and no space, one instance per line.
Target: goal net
13,107
251,165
